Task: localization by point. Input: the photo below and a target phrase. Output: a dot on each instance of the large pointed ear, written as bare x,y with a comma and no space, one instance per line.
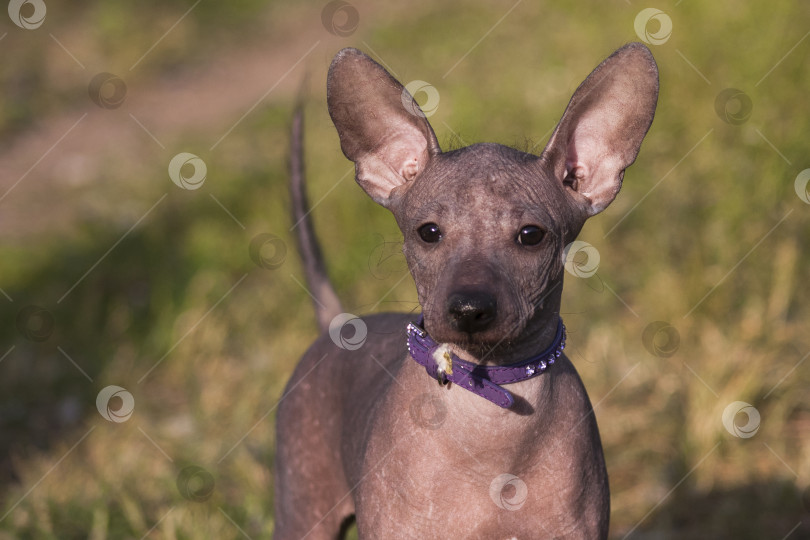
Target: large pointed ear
381,127
601,130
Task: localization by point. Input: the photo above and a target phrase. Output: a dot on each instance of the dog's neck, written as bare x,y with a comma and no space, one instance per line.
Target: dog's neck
471,418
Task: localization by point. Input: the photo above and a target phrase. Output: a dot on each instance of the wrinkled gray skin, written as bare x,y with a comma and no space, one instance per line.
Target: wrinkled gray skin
368,432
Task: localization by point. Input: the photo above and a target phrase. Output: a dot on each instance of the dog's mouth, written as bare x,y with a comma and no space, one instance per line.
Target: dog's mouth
516,331
497,340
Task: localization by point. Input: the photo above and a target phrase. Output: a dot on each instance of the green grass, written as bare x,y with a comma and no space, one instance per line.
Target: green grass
718,249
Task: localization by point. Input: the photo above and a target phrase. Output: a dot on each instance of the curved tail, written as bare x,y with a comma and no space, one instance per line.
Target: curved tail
324,298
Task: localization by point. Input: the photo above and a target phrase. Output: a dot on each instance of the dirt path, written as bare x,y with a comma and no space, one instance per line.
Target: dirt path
50,171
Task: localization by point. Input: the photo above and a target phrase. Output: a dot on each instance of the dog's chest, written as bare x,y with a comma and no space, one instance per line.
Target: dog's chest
453,496
444,482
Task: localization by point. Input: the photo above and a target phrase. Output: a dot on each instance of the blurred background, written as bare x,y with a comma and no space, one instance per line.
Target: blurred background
150,291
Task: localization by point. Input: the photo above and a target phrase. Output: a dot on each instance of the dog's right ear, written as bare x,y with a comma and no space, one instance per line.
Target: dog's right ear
381,127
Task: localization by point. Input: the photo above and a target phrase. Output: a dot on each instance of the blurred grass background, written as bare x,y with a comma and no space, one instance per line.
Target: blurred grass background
149,287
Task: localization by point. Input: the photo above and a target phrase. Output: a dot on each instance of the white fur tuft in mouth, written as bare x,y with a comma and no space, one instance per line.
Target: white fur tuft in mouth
443,360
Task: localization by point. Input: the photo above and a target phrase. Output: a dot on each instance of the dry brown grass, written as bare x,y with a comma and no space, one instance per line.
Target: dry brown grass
711,226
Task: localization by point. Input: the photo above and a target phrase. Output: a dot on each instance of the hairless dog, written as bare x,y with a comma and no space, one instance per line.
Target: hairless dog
505,444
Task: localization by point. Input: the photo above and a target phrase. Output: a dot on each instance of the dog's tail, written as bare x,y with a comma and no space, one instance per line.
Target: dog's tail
324,298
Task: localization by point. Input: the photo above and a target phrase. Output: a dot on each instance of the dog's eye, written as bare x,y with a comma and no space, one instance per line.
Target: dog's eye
530,235
430,233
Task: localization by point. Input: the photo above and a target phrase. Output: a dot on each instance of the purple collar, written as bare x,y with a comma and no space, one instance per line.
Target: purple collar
484,381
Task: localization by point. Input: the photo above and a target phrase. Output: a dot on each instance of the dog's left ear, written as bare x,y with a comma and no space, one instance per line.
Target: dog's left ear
601,130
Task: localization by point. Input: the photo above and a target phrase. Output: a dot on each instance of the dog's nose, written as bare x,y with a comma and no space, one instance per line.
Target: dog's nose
471,311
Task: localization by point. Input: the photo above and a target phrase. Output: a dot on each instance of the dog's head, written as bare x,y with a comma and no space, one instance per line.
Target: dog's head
484,226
